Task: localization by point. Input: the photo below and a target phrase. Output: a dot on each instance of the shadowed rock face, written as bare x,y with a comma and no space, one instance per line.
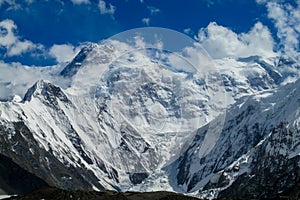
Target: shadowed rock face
16,180
256,155
58,194
275,175
54,173
72,68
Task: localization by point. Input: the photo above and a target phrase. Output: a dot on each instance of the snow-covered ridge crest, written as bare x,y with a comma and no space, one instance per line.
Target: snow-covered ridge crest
42,87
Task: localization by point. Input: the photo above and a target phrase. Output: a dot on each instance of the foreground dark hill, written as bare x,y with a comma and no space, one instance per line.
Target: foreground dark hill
58,194
16,180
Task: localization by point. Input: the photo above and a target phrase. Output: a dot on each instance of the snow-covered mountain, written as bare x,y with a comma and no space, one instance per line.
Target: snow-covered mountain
136,120
255,154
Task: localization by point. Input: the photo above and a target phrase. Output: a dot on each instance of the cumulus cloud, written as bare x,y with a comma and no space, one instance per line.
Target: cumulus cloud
146,21
106,8
286,18
15,78
222,42
77,2
11,42
197,56
64,52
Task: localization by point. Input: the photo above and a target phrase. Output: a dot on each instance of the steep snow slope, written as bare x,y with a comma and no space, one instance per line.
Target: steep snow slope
68,128
259,140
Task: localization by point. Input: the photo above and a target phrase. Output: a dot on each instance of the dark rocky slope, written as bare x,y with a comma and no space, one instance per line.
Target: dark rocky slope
58,194
16,180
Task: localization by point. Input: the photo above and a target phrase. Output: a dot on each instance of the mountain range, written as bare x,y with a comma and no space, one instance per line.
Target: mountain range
134,121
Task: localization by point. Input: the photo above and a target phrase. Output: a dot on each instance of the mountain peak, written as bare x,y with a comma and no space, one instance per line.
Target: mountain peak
45,89
72,68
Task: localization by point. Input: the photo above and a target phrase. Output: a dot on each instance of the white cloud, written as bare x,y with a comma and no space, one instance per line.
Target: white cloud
16,79
106,8
153,10
146,21
287,21
210,2
139,42
198,58
11,3
11,42
30,1
63,52
222,42
7,36
77,2
188,31
266,1
20,47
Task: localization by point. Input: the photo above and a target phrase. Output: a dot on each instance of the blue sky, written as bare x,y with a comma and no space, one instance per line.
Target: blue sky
43,31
